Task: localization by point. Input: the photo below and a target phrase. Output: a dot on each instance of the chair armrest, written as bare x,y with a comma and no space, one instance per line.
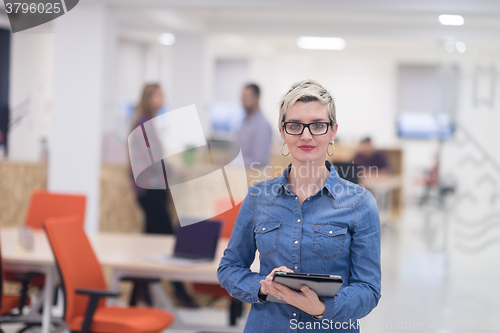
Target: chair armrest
95,295
138,279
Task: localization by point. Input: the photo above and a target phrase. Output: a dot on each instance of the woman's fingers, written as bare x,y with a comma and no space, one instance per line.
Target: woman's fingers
277,289
281,269
284,269
287,269
270,276
308,292
263,287
266,288
306,300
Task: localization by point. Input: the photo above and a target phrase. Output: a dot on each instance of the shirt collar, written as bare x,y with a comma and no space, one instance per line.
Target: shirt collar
253,115
329,184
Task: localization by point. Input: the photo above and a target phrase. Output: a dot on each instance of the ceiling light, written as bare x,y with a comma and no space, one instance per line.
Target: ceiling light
166,39
460,46
451,19
321,43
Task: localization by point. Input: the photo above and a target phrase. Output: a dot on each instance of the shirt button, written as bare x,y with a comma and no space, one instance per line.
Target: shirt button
296,267
330,232
294,314
296,242
265,229
296,198
298,220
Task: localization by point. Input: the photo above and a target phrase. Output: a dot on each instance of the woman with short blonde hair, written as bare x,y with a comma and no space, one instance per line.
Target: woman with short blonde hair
308,220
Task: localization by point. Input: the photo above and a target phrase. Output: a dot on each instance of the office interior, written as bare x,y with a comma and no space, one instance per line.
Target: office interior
424,90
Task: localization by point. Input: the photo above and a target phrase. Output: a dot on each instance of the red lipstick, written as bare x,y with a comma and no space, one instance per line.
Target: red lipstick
307,147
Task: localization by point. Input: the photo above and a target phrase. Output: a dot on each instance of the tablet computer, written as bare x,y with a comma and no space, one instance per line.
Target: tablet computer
324,285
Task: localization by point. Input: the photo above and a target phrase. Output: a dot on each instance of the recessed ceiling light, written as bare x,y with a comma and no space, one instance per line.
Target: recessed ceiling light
460,46
451,19
166,39
321,43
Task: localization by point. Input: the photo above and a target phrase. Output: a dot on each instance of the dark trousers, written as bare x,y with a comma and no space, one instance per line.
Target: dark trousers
158,221
154,205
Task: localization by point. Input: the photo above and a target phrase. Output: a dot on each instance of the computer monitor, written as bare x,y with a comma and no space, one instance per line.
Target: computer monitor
198,240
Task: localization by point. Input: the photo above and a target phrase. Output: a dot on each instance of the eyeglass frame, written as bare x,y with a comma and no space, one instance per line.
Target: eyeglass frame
283,124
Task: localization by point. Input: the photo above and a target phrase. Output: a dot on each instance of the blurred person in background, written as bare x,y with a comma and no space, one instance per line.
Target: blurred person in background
255,134
369,158
155,203
152,202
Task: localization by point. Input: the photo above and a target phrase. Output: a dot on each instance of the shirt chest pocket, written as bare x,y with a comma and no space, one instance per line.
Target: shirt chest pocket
329,239
266,236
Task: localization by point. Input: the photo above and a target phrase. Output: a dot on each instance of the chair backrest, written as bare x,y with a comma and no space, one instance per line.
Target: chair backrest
227,218
77,263
45,204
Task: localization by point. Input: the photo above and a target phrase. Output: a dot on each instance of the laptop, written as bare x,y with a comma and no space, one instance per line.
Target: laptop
195,243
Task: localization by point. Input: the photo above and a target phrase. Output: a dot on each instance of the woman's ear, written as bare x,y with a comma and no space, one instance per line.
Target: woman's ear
282,133
334,131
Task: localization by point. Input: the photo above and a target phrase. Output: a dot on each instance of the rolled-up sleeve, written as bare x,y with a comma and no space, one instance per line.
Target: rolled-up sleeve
234,271
363,292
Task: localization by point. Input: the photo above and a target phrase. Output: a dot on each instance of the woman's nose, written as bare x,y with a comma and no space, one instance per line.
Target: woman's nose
306,134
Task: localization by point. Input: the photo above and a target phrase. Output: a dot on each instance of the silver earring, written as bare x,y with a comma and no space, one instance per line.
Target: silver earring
333,149
282,150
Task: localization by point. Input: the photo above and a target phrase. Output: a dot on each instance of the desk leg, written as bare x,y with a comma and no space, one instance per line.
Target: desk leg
47,301
114,286
161,300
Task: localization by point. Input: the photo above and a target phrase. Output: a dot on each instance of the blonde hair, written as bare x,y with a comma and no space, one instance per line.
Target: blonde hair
307,91
144,106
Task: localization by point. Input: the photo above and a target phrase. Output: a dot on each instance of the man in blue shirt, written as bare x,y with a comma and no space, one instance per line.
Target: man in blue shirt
254,135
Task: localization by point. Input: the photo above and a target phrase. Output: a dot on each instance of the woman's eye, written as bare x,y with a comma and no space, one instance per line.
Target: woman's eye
318,126
294,126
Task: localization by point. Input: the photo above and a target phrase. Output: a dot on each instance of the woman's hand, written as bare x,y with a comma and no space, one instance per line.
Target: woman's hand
306,300
263,288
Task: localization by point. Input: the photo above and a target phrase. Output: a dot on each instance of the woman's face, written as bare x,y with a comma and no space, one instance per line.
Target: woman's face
157,99
308,147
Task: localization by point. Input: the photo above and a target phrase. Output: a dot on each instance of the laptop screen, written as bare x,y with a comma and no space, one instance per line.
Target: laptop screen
198,240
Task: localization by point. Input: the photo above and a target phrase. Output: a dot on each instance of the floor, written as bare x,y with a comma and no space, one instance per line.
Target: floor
427,285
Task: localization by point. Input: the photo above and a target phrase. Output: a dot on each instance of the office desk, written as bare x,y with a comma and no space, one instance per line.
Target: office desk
382,188
127,252
125,255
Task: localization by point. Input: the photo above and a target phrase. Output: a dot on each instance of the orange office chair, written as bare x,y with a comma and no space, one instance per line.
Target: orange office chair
227,218
43,205
85,289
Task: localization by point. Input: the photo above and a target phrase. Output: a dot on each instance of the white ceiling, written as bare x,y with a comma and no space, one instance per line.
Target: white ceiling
370,6
407,19
401,19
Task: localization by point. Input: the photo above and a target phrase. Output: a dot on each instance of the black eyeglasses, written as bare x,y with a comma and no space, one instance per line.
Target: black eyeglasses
294,128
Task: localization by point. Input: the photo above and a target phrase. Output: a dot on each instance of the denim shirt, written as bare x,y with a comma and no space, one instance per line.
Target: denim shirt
334,231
